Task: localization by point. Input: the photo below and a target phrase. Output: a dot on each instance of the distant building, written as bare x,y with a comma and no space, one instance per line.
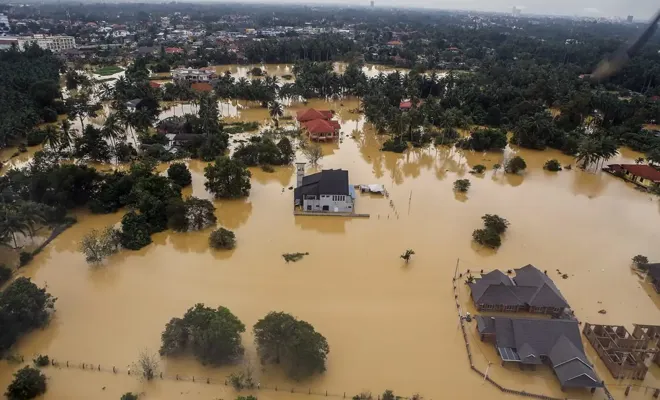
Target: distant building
630,19
193,75
531,342
174,50
327,191
201,87
4,25
530,290
52,43
515,11
372,3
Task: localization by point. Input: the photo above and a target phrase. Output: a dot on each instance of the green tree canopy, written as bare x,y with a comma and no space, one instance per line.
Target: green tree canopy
28,383
23,307
213,336
227,178
294,344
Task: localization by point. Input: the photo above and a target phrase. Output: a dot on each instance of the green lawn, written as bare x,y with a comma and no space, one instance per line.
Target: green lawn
109,70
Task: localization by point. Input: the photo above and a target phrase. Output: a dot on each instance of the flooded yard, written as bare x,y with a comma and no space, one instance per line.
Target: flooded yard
389,325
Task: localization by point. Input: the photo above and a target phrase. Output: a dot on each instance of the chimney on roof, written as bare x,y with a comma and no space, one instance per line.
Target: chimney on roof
300,172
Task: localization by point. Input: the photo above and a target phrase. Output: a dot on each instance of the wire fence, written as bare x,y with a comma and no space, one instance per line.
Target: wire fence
484,375
207,380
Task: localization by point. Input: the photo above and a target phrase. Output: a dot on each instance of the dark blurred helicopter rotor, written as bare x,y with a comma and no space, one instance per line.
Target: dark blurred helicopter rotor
618,60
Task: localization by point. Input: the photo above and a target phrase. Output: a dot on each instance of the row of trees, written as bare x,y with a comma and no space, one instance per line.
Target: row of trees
213,336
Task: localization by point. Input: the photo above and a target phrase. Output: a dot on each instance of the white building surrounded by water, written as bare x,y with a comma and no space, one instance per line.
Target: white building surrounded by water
326,191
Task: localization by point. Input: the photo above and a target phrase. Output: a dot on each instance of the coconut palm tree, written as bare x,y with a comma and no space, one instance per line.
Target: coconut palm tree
112,129
13,222
52,137
65,138
276,111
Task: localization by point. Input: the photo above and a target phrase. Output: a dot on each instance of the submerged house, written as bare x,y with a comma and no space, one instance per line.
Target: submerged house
654,275
326,191
530,290
318,125
553,342
642,175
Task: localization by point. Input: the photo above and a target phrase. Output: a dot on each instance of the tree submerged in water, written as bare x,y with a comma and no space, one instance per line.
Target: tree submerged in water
407,255
294,256
640,261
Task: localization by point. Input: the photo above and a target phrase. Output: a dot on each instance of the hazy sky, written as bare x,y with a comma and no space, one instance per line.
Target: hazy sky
642,10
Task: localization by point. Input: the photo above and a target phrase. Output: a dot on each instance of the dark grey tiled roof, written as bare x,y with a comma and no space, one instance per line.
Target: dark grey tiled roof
654,270
328,181
529,287
557,339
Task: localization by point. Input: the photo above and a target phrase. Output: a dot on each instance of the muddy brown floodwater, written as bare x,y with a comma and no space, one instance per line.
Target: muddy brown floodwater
389,325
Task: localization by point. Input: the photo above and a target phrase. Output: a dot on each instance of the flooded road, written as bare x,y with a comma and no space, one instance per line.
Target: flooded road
389,325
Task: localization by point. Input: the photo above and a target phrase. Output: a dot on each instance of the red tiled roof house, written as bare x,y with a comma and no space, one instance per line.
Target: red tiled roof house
318,124
643,175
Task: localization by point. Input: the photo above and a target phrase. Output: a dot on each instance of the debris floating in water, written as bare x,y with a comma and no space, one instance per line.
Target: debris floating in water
602,312
294,256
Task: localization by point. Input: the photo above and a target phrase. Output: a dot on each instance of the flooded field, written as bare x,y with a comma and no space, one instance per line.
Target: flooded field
389,325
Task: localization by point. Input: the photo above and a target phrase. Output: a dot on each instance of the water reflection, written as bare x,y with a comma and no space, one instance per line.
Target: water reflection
322,224
284,176
233,213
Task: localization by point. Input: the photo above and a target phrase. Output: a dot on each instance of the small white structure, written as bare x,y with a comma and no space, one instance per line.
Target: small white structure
192,75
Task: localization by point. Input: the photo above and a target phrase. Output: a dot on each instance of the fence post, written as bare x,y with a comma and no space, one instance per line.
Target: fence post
67,364
114,371
161,375
99,367
310,391
291,390
208,380
627,391
326,393
276,388
83,364
177,377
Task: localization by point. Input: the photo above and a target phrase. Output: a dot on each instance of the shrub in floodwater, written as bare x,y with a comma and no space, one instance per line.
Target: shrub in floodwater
222,239
41,361
515,165
487,237
97,245
496,223
28,383
293,256
129,396
462,185
388,395
552,165
640,261
478,169
24,258
407,255
395,145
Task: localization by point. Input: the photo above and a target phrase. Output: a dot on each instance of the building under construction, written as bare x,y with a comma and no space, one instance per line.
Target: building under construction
626,355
